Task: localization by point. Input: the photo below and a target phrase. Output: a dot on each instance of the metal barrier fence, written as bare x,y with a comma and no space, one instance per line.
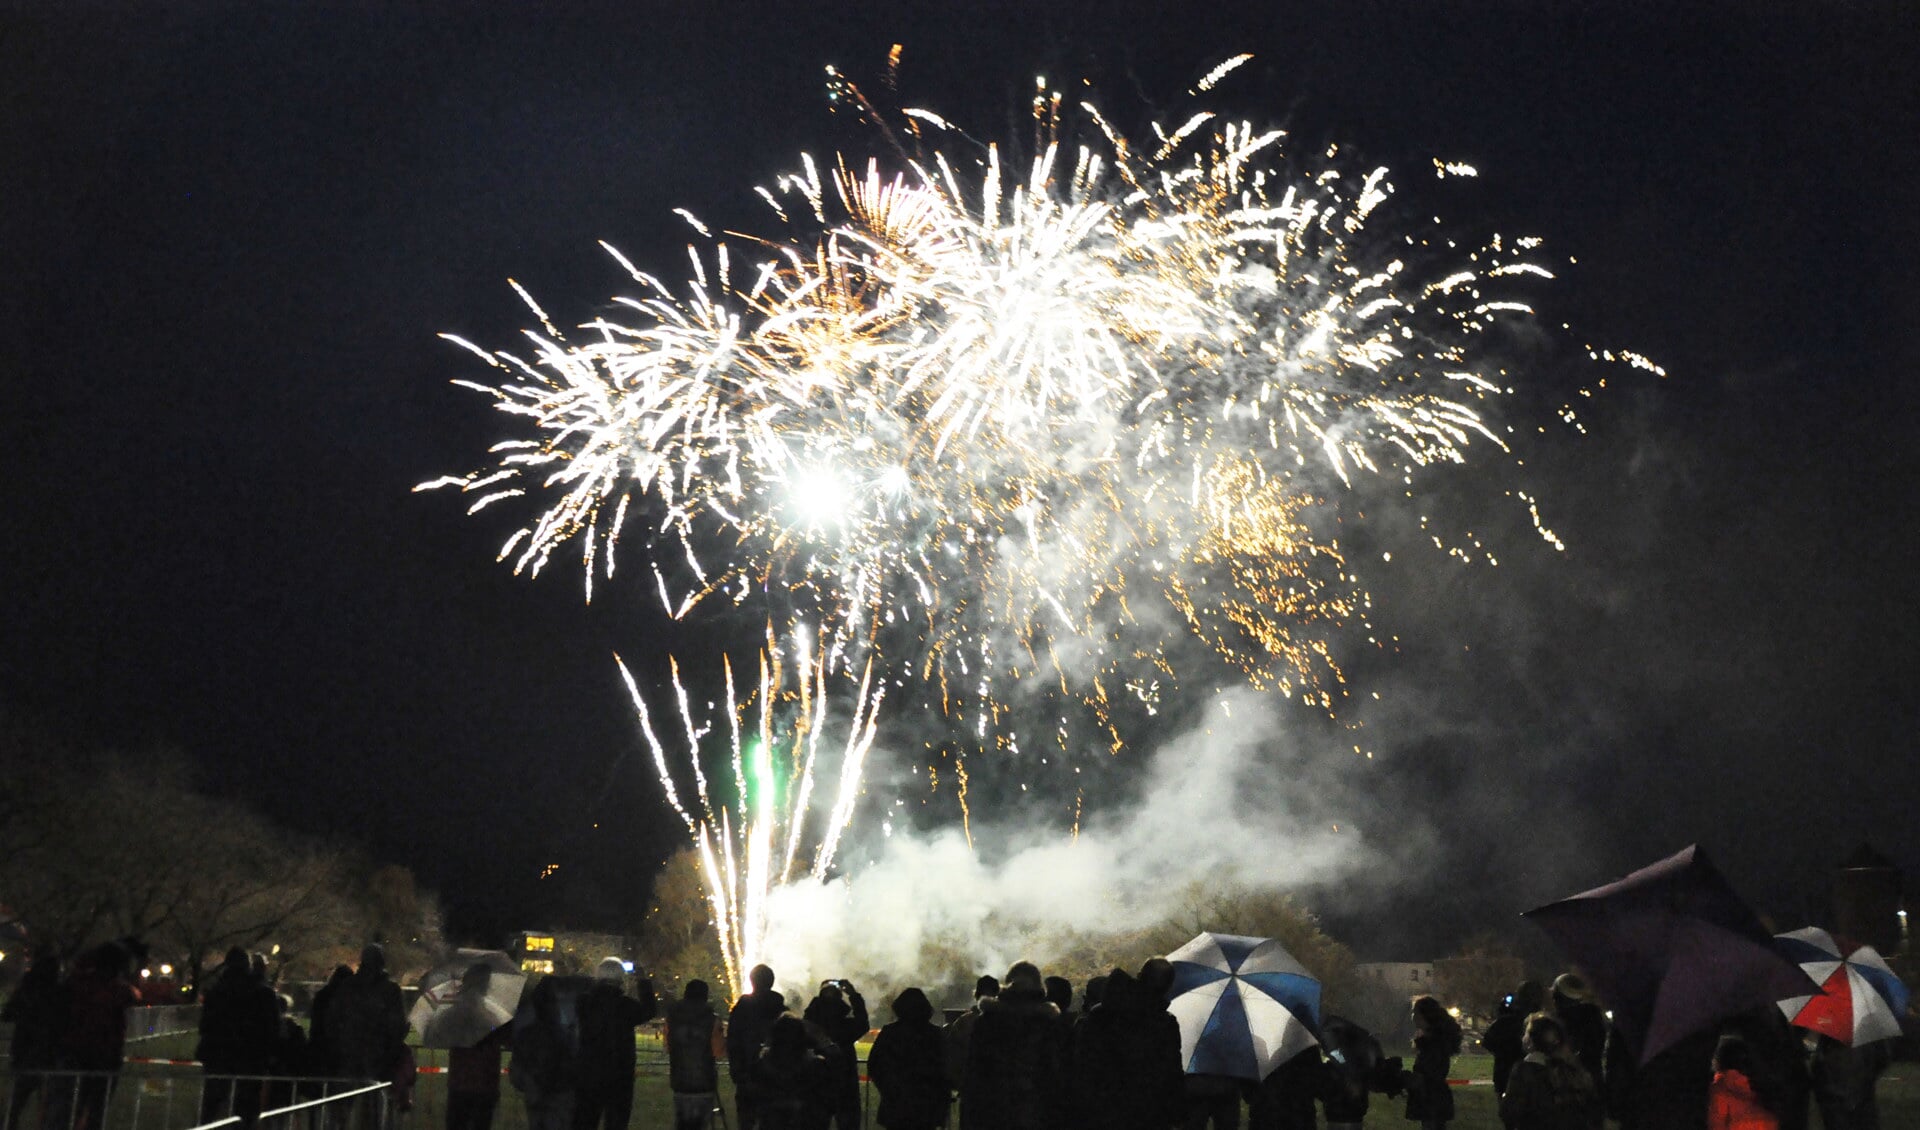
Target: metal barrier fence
181,1100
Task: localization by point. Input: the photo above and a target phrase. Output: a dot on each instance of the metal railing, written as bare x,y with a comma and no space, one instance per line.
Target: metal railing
174,1100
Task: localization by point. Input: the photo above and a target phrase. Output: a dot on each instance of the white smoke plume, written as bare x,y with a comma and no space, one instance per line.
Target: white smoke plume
1227,803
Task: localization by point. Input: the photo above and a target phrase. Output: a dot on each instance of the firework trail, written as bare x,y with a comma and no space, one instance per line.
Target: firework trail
992,424
751,838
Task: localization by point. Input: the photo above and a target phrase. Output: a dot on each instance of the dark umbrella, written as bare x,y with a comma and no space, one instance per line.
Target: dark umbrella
1672,950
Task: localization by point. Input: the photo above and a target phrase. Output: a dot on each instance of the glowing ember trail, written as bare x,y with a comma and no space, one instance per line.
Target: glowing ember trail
755,837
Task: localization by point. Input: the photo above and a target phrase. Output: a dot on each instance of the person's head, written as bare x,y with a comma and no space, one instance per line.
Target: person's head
236,962
787,1037
760,978
1529,998
1428,1015
611,970
1025,976
546,1001
1156,977
339,974
1060,992
1095,992
1733,1054
476,979
1545,1035
830,993
257,965
912,1006
373,959
987,986
696,990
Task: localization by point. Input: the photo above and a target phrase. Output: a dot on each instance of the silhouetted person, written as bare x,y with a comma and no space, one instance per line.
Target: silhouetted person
1779,1074
1844,1083
366,1024
288,1059
1059,992
747,1028
908,1066
1212,1102
239,1031
1732,1103
694,1044
93,1032
790,1080
320,1058
1125,1070
1549,1089
34,1010
960,1031
1436,1040
1668,1092
1505,1038
839,1015
1014,1078
473,1070
1285,1099
1356,1066
608,1017
1583,1021
545,1062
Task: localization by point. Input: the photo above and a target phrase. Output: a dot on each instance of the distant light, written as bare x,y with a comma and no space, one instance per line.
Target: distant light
1901,913
627,965
145,973
1454,1012
166,971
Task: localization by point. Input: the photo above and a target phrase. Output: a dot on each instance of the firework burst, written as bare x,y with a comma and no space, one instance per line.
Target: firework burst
997,424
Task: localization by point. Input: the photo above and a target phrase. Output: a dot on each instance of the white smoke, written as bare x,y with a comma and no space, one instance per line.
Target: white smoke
1232,802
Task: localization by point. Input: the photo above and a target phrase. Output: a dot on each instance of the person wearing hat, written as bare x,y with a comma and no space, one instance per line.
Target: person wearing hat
608,1017
1585,1024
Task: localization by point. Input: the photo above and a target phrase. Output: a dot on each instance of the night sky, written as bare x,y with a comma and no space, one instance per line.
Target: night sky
232,232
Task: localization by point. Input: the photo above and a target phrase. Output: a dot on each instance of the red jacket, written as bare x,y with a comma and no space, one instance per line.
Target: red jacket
1732,1106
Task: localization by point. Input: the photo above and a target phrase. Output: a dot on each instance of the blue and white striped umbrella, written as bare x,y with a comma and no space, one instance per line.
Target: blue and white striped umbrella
1245,1005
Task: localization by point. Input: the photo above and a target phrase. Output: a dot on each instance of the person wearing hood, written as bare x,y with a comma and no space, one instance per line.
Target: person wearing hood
790,1080
1731,1102
608,1017
908,1066
695,1043
838,1014
239,1027
1844,1081
748,1025
1125,1071
546,1060
1014,1079
1548,1089
1505,1039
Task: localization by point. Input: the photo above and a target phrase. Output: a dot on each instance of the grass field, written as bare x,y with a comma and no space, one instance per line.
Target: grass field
167,1096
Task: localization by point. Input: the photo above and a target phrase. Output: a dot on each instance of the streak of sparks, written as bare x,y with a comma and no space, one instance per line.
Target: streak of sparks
756,837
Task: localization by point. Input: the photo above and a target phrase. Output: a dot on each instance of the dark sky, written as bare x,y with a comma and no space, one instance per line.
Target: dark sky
232,231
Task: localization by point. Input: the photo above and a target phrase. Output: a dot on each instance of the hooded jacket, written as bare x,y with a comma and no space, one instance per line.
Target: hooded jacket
1732,1105
1014,1076
1126,1070
747,1027
908,1066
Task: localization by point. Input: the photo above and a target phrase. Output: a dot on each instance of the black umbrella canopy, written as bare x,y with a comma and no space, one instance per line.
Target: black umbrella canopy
1672,950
